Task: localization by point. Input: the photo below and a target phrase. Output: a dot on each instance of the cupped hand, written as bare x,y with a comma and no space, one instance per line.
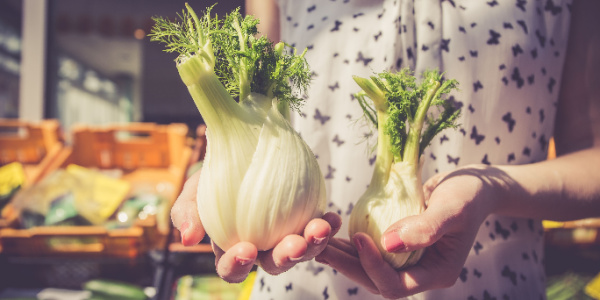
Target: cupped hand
457,204
234,264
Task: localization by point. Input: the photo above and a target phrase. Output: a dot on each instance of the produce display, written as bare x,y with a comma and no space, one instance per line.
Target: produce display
259,180
399,109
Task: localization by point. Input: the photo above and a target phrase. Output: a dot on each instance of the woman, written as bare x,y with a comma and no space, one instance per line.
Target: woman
525,77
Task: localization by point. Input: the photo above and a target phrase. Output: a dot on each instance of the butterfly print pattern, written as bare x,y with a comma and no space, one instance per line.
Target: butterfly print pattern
507,56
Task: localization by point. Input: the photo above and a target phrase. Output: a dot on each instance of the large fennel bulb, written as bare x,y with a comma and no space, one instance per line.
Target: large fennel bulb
259,181
399,111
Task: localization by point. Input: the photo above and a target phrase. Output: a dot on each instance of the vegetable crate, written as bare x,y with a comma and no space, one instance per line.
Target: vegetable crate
27,151
146,155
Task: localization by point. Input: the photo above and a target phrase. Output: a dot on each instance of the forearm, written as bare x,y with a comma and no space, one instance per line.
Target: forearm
565,188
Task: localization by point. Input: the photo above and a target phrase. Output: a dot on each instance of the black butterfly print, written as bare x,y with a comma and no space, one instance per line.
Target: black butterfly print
443,139
502,67
543,71
505,80
324,18
349,117
492,3
431,25
335,86
476,136
525,256
516,49
473,53
424,48
508,273
473,25
303,115
530,79
523,25
497,139
552,42
348,179
485,160
471,108
514,226
463,274
451,2
312,8
355,29
372,160
543,142
409,53
531,225
311,26
507,25
551,84
377,36
500,230
445,44
462,29
288,287
379,16
510,157
508,119
337,140
399,63
521,4
477,86
357,15
314,268
325,294
477,273
516,77
542,116
463,131
526,151
310,47
528,110
330,171
350,208
365,60
462,58
262,283
494,38
353,291
477,246
288,18
322,118
541,38
336,27
295,25
432,156
346,61
452,160
535,257
551,7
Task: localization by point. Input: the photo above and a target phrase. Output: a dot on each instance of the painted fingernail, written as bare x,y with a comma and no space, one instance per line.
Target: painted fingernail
183,229
357,243
392,242
242,261
295,259
318,241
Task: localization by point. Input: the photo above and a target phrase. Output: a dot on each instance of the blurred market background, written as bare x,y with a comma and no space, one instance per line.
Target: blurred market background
97,136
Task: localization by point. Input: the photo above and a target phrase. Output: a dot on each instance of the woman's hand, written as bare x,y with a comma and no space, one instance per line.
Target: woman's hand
234,264
457,204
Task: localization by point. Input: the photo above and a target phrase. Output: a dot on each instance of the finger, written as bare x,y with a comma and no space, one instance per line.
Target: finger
432,183
347,264
234,264
343,245
414,232
184,213
383,275
285,255
318,232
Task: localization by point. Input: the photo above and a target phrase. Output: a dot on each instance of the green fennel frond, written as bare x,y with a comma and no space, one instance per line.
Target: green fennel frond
242,61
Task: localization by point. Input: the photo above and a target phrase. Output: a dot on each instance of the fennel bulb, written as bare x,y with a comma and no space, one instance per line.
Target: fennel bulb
399,111
259,181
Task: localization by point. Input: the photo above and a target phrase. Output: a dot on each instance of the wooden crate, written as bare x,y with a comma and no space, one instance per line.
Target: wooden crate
35,145
146,154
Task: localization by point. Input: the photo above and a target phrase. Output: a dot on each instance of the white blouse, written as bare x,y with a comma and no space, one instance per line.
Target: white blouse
508,57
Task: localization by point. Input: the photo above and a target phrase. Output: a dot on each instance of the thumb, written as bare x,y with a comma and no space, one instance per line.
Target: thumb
413,233
184,213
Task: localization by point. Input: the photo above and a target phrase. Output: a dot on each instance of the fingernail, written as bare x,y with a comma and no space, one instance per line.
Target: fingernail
357,243
392,242
295,259
318,241
183,230
242,261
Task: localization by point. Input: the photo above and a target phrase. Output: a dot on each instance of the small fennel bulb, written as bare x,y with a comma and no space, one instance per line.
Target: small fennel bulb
399,110
259,181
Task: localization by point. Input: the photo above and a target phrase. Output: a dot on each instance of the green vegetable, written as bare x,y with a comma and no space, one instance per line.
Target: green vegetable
399,108
109,289
259,181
